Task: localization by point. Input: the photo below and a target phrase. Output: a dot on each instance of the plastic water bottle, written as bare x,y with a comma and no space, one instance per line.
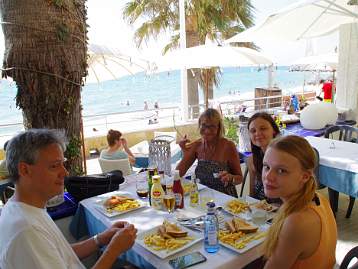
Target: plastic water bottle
211,229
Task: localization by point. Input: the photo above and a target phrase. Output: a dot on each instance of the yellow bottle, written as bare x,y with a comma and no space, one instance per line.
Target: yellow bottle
157,193
194,193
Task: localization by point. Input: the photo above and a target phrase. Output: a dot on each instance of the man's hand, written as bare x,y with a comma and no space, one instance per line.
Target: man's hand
105,237
123,239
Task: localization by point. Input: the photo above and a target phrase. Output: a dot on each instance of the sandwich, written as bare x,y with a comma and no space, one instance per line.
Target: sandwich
239,225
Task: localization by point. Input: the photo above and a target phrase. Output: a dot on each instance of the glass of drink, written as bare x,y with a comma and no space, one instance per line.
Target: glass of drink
207,195
142,188
259,216
169,202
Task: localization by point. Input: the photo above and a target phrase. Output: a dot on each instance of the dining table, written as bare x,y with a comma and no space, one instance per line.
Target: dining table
338,168
89,220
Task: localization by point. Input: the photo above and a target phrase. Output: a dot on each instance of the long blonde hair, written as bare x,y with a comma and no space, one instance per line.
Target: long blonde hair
299,148
213,114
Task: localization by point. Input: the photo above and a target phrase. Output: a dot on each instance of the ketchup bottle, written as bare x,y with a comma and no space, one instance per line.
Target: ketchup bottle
178,191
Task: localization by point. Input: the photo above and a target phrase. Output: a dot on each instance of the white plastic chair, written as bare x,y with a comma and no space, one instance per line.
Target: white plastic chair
110,165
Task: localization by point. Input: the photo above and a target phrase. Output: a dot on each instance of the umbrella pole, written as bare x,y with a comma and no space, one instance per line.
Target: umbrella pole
206,89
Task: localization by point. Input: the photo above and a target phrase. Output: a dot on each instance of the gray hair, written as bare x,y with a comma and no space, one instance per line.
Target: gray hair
25,147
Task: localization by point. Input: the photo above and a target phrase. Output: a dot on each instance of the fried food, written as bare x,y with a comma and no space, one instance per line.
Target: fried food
239,239
264,205
168,237
237,206
120,203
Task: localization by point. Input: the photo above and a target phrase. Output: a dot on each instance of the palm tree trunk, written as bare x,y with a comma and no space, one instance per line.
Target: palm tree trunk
45,54
192,39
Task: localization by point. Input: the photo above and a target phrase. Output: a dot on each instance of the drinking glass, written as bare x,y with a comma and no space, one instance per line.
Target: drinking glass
142,188
169,202
206,196
259,216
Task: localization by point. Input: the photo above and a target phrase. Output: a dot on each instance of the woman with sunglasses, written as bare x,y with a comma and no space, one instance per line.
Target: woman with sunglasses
218,160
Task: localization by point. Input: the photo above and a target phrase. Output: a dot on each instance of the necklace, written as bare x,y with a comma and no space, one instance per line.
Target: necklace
209,151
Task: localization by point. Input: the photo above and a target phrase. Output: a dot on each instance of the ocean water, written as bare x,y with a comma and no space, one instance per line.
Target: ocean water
129,93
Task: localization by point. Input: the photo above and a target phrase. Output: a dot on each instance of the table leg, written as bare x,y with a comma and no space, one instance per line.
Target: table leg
350,206
244,180
333,199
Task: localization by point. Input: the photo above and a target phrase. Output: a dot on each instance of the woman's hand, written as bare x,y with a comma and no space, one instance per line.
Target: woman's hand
183,142
124,143
226,177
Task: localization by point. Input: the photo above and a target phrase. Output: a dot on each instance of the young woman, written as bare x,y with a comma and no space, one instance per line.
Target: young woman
218,160
262,129
114,150
304,232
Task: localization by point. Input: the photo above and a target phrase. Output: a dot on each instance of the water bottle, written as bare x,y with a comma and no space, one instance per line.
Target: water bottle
211,229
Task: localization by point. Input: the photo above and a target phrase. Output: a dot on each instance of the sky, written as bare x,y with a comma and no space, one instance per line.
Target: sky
106,26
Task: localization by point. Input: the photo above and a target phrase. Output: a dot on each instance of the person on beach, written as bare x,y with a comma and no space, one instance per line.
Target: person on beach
4,173
145,105
115,144
304,232
218,160
262,129
327,90
29,238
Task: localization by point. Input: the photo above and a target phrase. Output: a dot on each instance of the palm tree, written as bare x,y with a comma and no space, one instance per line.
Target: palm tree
216,20
45,54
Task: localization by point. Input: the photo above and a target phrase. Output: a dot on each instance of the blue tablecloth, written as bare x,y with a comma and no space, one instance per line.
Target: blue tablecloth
85,224
340,180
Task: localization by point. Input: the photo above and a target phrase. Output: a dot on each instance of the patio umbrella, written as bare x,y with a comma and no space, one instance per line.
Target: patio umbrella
316,63
304,19
106,63
206,57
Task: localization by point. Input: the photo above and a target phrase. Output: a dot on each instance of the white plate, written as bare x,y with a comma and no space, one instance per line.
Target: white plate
101,208
163,254
245,214
251,244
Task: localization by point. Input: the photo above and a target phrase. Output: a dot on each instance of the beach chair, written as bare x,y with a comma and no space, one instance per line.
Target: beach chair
110,165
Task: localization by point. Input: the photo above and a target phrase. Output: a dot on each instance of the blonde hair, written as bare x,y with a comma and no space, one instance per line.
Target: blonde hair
213,114
299,148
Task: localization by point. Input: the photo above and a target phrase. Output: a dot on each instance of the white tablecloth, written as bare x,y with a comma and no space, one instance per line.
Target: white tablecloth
336,154
147,218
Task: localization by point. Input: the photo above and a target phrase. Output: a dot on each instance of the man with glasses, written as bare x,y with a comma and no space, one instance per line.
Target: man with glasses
29,238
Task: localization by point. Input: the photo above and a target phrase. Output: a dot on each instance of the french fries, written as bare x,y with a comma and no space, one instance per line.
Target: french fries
168,237
238,240
120,203
236,206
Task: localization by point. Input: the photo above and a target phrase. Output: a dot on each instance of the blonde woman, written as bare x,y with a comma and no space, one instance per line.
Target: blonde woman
218,160
304,233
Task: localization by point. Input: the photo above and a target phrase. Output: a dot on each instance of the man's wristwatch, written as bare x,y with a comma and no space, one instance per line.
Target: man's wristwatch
95,239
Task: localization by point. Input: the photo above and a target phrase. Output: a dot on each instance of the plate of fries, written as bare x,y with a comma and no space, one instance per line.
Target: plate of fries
241,207
240,235
118,204
167,239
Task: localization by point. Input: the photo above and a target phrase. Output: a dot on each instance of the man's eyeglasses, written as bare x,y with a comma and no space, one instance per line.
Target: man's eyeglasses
211,127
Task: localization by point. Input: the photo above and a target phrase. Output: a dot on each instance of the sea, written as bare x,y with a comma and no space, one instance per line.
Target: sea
129,93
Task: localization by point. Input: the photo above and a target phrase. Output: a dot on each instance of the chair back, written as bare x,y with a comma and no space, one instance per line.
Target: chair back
110,165
316,171
353,253
160,155
344,132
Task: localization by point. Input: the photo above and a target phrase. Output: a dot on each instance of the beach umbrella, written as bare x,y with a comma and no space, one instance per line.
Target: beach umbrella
302,20
209,56
106,63
316,63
